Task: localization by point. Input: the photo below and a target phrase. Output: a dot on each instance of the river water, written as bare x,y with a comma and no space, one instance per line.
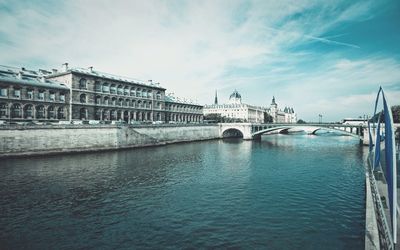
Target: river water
283,192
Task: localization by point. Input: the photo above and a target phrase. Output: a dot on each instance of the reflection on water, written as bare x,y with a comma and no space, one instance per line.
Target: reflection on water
283,192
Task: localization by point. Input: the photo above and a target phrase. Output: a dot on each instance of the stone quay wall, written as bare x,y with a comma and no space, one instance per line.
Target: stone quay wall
51,139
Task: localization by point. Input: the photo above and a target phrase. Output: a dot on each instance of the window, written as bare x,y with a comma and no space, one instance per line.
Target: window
17,93
113,89
98,99
82,114
82,83
106,88
28,111
51,112
39,112
16,111
126,91
114,101
120,102
29,94
106,101
52,96
97,86
3,110
127,102
60,113
138,93
41,95
158,95
3,92
82,98
62,97
120,90
132,92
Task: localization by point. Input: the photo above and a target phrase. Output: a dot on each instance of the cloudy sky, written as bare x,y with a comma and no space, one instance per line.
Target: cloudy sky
320,57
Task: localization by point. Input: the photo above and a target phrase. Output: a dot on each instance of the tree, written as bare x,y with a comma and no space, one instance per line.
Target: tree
268,118
396,113
300,121
213,118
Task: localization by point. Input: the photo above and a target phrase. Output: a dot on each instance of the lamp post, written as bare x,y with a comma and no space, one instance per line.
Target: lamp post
320,118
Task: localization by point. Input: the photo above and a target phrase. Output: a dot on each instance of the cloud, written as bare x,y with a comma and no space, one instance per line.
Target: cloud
194,47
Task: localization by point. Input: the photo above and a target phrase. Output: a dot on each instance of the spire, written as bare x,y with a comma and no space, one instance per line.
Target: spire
216,98
273,101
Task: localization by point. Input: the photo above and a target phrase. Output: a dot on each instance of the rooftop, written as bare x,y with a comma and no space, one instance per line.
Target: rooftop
28,77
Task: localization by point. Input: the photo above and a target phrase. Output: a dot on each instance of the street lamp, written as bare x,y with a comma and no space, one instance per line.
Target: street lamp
320,118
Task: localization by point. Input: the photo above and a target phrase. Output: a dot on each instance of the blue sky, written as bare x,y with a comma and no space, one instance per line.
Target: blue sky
320,57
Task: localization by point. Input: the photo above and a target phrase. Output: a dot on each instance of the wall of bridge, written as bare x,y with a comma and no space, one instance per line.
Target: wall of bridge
35,140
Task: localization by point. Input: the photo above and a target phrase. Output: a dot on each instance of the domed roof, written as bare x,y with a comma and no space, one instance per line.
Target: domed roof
235,94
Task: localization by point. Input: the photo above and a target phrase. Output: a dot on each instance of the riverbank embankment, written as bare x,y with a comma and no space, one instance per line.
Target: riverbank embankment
50,139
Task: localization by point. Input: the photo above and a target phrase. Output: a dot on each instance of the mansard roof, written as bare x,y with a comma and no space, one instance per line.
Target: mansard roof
22,76
107,76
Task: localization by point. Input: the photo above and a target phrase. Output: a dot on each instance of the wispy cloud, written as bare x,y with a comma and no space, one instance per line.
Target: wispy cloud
193,47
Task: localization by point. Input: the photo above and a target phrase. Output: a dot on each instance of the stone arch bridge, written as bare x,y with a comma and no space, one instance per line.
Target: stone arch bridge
250,131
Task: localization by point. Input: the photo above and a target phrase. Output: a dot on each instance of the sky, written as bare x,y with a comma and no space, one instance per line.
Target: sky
319,57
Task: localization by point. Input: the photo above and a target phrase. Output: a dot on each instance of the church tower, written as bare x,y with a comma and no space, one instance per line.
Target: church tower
274,110
216,98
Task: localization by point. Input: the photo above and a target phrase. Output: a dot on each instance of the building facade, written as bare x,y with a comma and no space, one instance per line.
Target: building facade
238,111
286,116
27,95
182,111
85,94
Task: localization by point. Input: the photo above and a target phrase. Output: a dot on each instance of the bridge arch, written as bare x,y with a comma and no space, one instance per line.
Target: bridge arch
313,131
232,132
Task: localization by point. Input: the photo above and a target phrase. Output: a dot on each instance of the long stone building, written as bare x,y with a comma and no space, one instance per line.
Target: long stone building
86,94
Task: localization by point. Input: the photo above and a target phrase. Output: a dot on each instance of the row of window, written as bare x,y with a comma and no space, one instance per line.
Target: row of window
120,102
120,90
30,112
30,94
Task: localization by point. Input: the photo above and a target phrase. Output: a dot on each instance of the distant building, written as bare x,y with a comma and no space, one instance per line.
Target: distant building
286,116
238,111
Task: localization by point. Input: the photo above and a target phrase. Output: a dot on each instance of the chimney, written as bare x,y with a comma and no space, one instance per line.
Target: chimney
65,67
55,71
150,82
91,69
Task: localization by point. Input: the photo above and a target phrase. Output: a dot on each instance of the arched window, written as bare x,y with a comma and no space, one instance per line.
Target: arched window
127,102
114,101
51,114
106,100
120,90
106,115
106,88
126,91
158,95
133,103
28,111
98,99
120,102
82,98
40,112
3,110
16,111
149,94
82,83
98,114
113,115
132,91
83,114
138,93
97,86
139,104
113,89
60,113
